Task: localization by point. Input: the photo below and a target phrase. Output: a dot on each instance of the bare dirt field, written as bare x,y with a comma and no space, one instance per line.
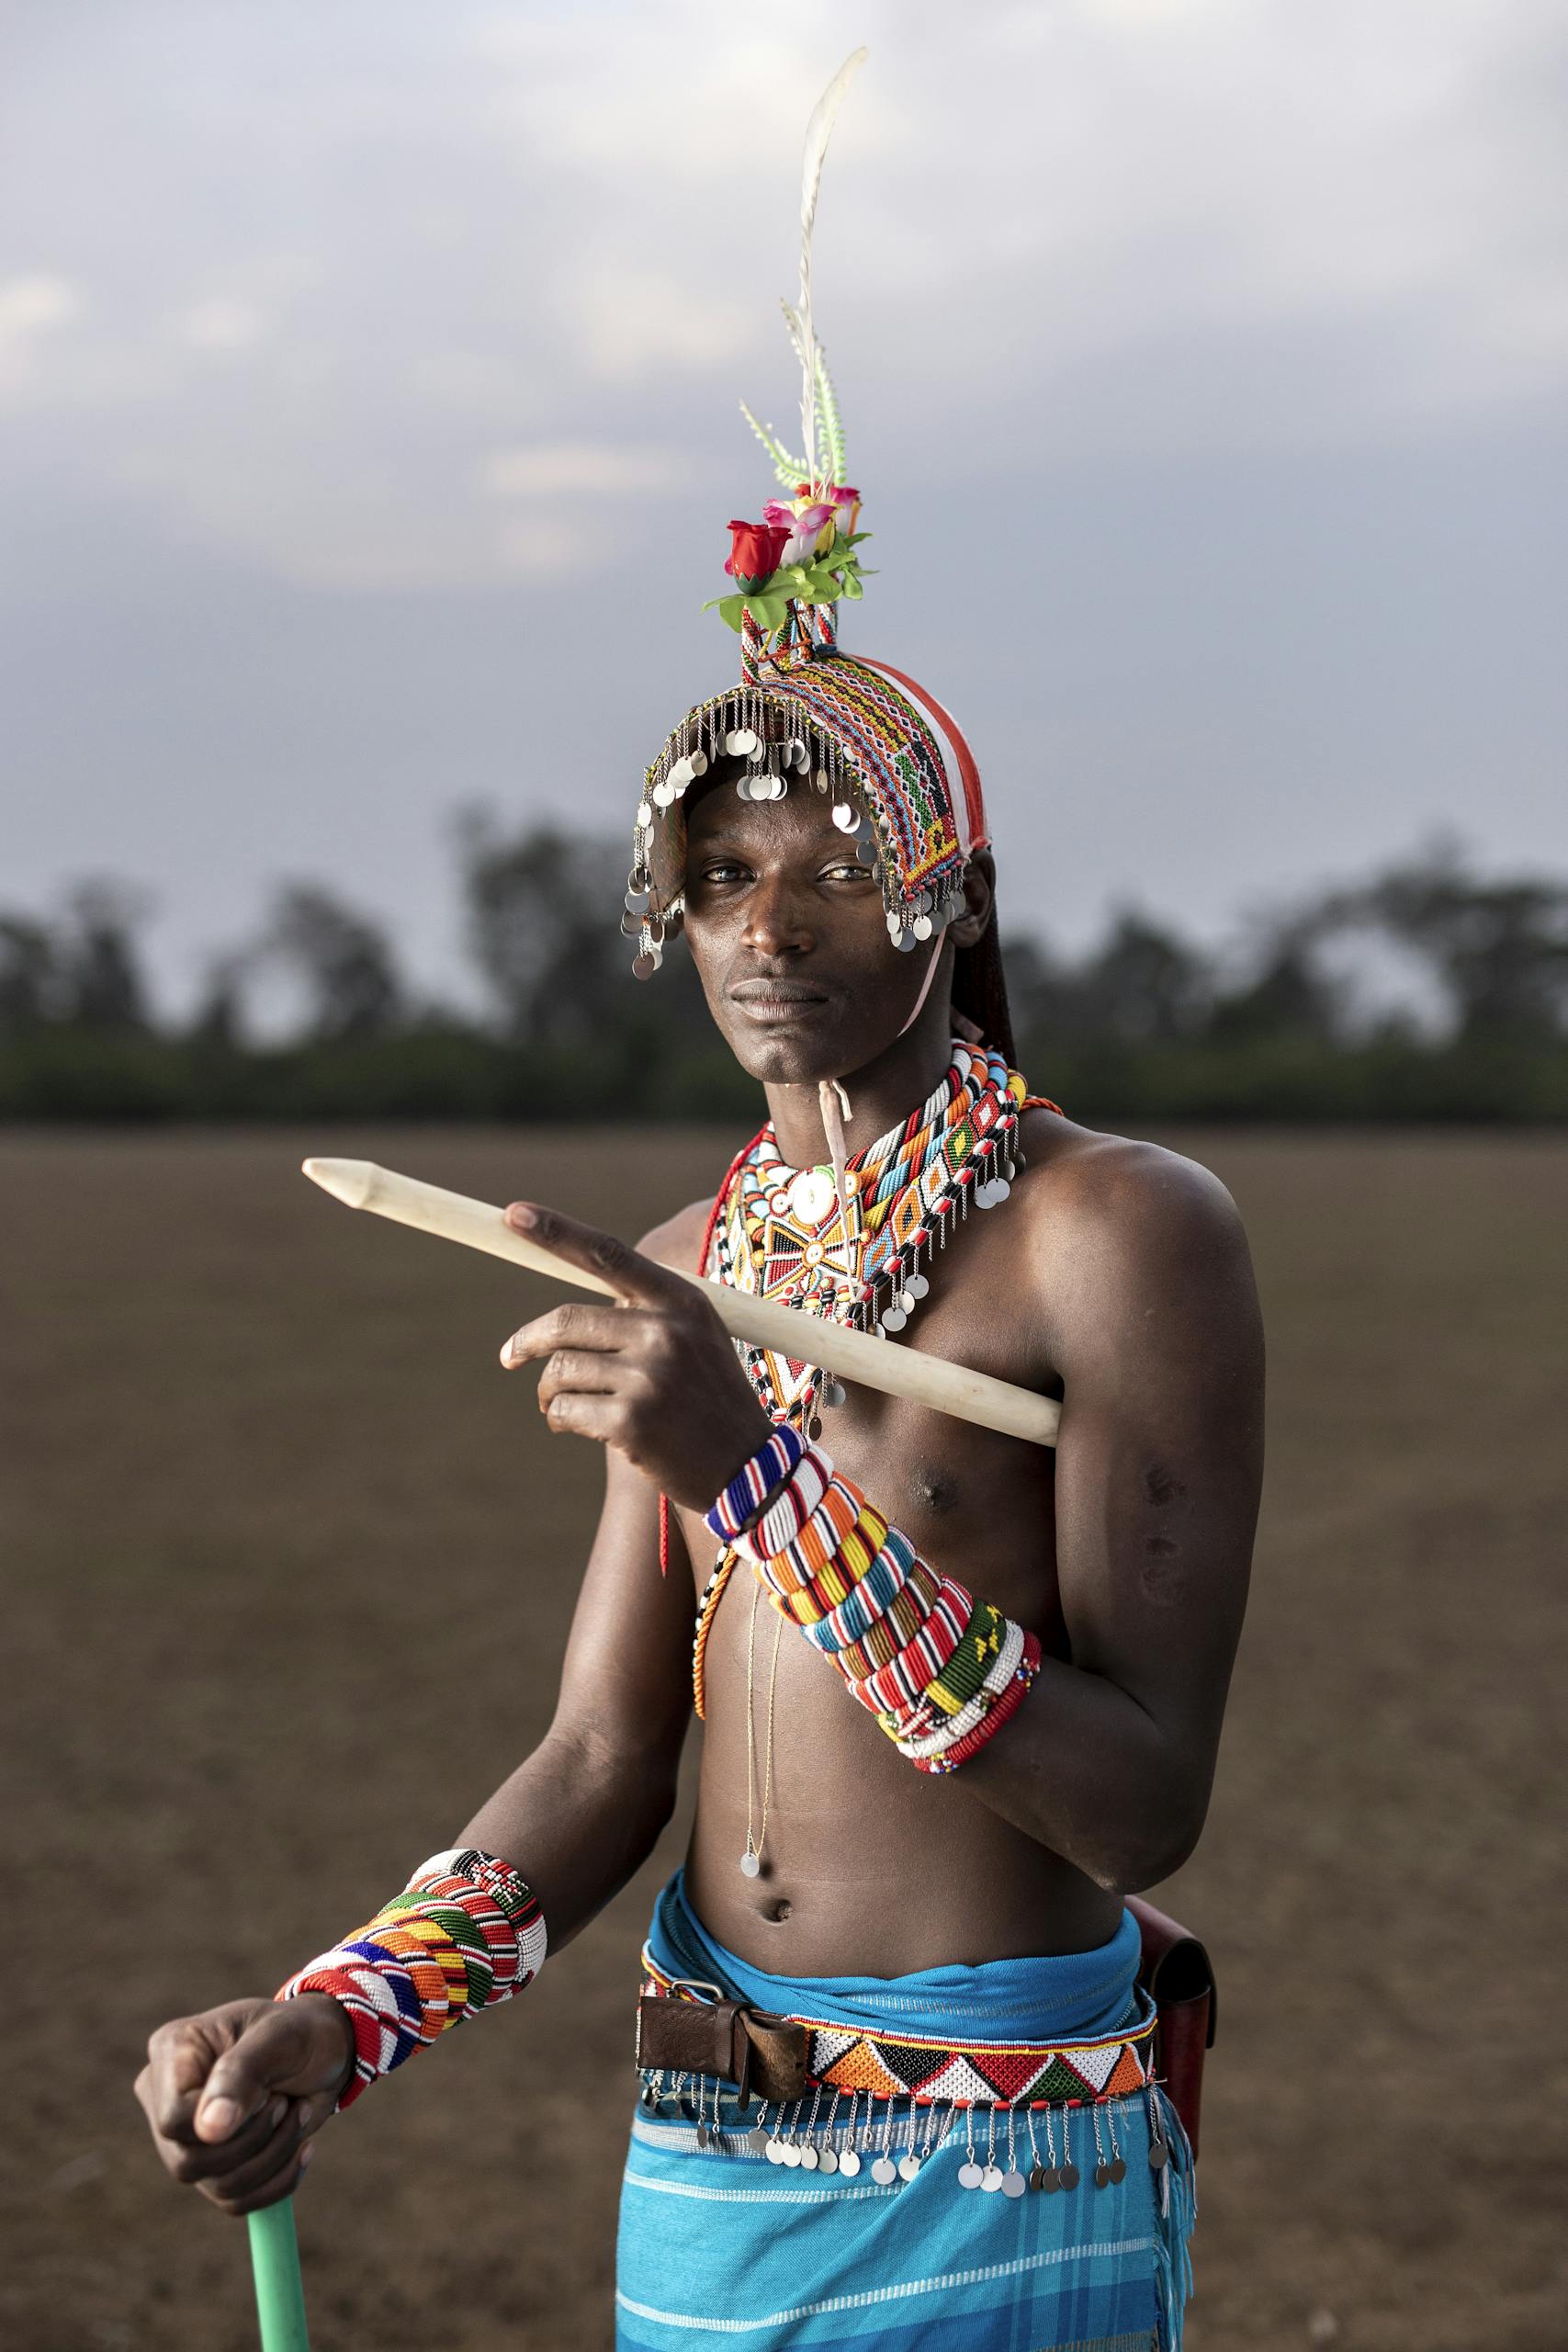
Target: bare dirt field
287,1569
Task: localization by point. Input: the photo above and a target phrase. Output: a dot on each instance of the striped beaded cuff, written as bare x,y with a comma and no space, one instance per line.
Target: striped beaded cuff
941,1670
755,1481
464,1933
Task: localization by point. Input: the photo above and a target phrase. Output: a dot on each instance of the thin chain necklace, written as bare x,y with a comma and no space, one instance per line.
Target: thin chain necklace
756,1841
783,1233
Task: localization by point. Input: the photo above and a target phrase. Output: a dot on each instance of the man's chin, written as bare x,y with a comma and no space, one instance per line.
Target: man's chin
797,1049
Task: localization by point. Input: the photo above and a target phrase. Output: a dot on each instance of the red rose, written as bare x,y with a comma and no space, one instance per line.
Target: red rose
755,549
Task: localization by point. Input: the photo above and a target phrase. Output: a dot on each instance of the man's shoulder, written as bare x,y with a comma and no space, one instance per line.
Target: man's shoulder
678,1242
1081,1185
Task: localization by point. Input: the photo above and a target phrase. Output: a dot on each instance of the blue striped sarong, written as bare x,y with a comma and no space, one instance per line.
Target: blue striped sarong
724,2248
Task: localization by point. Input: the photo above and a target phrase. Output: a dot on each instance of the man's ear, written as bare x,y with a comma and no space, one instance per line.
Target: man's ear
979,895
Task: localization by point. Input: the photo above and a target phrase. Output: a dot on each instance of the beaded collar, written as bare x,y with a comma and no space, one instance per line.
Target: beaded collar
780,1231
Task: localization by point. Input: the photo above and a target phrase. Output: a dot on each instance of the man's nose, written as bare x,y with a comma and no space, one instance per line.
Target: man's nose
777,919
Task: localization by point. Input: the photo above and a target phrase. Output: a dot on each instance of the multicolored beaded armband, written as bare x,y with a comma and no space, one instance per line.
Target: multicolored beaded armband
941,1670
466,1933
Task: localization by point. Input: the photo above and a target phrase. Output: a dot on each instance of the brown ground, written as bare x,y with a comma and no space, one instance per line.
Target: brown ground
290,1570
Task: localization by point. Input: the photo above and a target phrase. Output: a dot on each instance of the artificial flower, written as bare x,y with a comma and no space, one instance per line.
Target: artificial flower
845,504
809,524
756,551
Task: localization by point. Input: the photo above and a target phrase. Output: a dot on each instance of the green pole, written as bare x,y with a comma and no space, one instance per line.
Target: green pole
281,2296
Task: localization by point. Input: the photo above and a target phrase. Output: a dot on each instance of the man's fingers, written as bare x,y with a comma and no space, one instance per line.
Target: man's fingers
574,1368
605,1331
585,1416
281,2182
262,2137
630,1275
263,2060
279,2145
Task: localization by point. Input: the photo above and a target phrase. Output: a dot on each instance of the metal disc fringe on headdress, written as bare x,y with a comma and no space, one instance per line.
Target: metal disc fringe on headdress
805,715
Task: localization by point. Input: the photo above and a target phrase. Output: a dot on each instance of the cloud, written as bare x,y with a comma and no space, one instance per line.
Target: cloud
559,468
32,307
221,324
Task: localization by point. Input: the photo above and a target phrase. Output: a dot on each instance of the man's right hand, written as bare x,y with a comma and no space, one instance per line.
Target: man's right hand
234,2095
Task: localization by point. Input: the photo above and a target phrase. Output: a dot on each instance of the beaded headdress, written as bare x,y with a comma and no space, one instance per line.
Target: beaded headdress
805,713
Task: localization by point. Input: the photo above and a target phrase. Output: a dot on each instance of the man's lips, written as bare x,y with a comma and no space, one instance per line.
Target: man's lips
767,999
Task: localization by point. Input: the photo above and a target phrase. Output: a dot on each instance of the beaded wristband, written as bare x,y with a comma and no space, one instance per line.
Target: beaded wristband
466,1933
755,1480
941,1670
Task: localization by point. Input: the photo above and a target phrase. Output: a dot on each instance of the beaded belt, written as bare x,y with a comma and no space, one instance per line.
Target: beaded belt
930,2069
691,2039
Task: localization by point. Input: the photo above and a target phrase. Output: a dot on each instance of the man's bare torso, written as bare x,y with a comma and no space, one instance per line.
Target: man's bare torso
869,1867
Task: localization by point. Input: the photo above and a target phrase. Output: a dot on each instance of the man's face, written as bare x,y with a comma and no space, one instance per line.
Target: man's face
789,935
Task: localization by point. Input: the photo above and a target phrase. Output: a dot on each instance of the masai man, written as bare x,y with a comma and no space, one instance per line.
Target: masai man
963,1693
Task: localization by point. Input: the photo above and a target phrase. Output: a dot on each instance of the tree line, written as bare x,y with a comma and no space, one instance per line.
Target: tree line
1425,992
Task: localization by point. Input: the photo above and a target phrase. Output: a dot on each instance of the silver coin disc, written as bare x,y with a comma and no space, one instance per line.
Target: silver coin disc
909,2165
791,2155
833,1393
895,1319
774,2152
1013,2184
697,761
916,1286
1067,2175
884,2172
991,2179
827,2161
643,966
809,2159
751,1865
849,2163
704,2137
1159,2154
1037,2176
1117,2170
1102,2175
757,2139
923,926
645,812
845,816
970,2174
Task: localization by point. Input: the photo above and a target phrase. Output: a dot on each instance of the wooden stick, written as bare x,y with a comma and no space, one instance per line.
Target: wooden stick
767,1323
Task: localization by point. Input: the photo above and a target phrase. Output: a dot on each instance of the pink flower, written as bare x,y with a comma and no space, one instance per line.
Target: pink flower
809,524
845,504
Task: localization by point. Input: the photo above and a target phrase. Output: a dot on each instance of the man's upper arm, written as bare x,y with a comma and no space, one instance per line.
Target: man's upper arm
1157,1334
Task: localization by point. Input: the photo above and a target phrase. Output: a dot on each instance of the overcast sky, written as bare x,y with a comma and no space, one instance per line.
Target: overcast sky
368,429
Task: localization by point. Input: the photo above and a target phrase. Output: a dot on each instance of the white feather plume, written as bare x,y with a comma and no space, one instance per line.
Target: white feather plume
818,131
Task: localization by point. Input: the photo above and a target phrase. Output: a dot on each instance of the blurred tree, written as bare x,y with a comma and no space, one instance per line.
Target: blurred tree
30,979
344,961
101,980
1290,996
1500,948
541,909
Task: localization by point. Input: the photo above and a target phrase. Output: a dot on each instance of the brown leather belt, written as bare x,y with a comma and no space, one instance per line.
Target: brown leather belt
686,2029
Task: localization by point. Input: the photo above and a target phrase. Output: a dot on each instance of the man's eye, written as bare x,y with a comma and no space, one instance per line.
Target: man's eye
846,870
724,870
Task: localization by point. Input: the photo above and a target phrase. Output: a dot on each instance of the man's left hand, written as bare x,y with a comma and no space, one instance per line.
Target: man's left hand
655,1375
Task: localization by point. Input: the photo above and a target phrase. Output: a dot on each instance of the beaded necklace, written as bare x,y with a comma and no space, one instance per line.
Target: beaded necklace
781,1232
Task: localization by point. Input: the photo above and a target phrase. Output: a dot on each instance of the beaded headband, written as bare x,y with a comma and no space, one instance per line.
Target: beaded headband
803,713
